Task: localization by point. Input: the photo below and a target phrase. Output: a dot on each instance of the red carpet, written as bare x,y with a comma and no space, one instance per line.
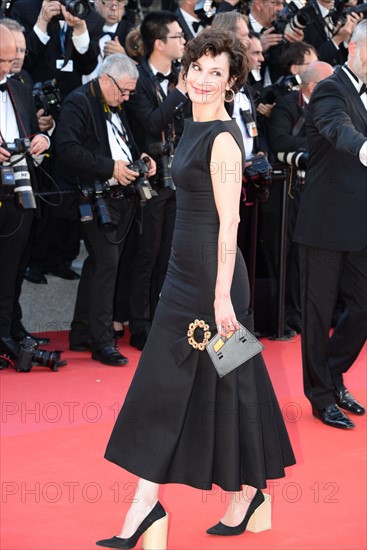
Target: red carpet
59,493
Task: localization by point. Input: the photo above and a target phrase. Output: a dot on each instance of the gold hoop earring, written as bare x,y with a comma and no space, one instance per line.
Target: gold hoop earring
230,98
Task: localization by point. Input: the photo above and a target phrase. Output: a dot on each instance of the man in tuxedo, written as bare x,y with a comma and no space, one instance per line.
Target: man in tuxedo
17,120
188,20
331,231
114,33
65,48
93,144
156,117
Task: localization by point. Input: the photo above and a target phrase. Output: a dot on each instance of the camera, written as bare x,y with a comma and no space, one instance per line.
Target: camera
162,152
93,205
257,179
28,355
47,96
296,15
141,185
78,8
15,177
338,15
298,159
282,86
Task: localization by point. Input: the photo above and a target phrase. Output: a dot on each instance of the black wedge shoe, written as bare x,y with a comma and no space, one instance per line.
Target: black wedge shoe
154,529
264,523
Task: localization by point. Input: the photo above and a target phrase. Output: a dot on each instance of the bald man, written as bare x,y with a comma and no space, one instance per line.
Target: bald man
17,120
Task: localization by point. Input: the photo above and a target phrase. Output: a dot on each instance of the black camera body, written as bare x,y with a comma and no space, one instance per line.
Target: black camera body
281,87
163,152
93,205
29,355
141,185
47,96
340,12
257,179
78,8
17,147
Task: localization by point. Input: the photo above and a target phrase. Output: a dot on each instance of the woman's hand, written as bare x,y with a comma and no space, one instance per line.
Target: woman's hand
225,317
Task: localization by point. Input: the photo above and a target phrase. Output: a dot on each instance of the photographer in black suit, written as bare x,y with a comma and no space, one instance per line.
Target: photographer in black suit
155,114
94,139
17,121
114,32
331,231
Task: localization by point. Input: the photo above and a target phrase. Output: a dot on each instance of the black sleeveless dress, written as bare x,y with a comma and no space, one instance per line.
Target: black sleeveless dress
180,422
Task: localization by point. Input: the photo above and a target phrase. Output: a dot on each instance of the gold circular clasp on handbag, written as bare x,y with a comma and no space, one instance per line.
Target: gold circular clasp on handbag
191,334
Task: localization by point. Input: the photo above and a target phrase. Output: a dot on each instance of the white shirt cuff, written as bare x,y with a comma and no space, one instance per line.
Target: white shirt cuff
81,42
363,154
44,37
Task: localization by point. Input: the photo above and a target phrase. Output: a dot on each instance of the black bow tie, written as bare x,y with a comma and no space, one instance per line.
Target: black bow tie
363,89
3,87
196,25
171,77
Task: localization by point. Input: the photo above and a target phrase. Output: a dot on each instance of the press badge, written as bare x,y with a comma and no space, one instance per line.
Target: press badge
68,68
250,124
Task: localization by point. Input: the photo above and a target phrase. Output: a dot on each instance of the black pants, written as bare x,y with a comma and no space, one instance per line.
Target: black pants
93,315
323,274
15,228
151,260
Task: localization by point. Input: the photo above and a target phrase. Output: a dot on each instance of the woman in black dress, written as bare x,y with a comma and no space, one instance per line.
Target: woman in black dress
180,422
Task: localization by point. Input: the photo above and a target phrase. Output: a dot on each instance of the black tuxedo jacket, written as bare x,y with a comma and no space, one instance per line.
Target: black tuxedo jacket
41,59
315,35
148,115
284,116
82,148
184,26
332,212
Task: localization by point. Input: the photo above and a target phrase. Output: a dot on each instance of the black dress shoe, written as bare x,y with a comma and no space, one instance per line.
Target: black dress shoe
295,324
22,334
226,531
333,416
119,333
346,401
138,340
157,513
63,271
109,355
34,276
9,346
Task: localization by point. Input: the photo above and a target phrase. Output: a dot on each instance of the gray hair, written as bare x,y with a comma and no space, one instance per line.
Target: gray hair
12,25
117,65
359,34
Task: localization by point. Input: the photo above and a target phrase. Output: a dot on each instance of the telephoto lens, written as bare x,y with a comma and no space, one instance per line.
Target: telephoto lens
23,192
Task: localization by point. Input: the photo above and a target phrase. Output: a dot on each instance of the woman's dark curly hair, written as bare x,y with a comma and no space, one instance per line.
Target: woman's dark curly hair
214,42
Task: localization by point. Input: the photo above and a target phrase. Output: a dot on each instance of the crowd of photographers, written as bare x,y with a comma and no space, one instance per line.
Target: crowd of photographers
92,108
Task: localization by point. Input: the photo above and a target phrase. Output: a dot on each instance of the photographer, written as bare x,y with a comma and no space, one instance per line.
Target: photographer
155,114
18,121
330,36
287,139
94,145
262,17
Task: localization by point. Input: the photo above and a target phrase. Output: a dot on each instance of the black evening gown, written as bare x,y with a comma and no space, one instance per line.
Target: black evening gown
180,422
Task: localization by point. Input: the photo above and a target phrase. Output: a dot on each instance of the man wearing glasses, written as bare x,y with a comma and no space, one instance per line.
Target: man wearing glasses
156,116
115,30
93,144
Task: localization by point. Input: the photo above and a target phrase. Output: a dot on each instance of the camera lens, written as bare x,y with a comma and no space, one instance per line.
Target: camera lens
23,191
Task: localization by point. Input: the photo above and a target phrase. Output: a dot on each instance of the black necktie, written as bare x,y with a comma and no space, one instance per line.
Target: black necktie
363,89
171,77
3,87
